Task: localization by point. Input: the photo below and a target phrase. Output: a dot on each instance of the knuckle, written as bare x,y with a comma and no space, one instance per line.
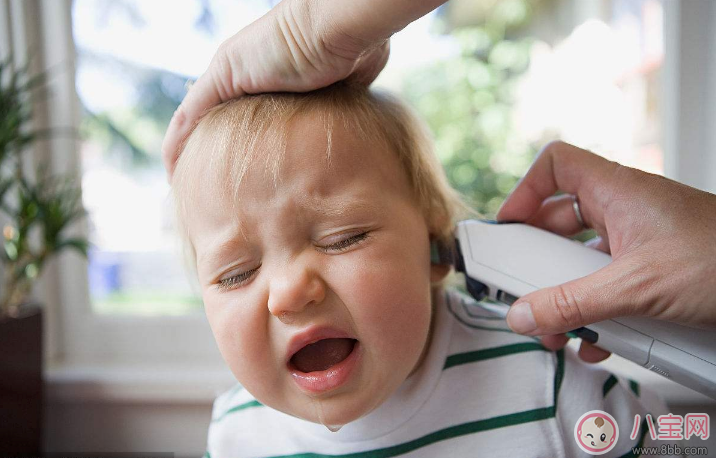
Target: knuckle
560,151
224,53
626,183
224,49
221,75
554,146
624,174
566,306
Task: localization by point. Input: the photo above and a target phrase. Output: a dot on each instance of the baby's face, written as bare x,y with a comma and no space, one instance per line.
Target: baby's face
336,250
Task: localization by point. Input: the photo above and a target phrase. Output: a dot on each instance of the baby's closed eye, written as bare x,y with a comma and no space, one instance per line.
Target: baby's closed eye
347,242
234,281
229,283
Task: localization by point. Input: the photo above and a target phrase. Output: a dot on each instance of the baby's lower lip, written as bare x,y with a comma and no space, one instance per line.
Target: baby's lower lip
329,379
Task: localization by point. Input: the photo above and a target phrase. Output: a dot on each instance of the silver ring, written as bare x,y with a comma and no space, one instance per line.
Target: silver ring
189,83
577,212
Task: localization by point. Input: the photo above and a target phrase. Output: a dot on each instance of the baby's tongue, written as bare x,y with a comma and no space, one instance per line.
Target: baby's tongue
323,354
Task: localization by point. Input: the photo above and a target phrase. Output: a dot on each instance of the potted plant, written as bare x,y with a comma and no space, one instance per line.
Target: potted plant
35,212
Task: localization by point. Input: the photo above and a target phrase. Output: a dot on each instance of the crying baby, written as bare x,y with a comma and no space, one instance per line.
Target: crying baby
310,220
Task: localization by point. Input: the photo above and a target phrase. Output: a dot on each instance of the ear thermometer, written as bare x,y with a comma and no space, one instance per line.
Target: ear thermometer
504,261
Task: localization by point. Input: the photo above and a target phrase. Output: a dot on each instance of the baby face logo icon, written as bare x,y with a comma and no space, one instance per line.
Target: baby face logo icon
596,432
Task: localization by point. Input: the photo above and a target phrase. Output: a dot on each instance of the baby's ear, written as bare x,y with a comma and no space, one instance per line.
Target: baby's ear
440,260
438,272
440,253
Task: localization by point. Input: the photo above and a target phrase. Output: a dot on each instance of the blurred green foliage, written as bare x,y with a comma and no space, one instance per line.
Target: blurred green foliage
468,100
38,207
132,136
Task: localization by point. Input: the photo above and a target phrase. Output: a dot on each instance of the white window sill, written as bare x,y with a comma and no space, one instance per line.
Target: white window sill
145,383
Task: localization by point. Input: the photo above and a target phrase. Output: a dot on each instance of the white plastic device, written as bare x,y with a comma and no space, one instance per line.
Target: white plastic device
504,261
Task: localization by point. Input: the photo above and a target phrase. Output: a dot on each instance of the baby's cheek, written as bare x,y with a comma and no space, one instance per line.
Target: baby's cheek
236,332
390,305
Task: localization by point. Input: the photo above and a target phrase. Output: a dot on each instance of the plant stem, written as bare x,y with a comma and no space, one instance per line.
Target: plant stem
18,283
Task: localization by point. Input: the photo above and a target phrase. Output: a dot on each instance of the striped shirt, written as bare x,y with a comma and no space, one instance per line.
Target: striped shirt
482,390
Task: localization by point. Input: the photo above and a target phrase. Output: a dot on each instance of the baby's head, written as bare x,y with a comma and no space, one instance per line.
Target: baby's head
309,218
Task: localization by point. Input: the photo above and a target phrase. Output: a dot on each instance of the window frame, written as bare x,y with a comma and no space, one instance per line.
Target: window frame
688,93
73,334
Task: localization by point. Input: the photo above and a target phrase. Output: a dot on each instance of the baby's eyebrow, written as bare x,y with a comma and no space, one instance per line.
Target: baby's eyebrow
323,208
226,245
344,208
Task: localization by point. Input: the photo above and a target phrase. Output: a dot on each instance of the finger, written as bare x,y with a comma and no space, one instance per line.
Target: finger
615,290
591,353
561,166
556,214
598,243
203,95
555,342
369,66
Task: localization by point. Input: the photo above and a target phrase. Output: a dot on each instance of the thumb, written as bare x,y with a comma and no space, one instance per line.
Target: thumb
607,293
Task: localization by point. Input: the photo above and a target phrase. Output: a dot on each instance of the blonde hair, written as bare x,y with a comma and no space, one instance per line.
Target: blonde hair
235,135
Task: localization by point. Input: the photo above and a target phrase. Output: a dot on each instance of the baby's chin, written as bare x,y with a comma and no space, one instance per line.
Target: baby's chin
333,415
332,412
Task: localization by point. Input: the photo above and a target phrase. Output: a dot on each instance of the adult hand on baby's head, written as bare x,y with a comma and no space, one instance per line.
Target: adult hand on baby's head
658,232
298,46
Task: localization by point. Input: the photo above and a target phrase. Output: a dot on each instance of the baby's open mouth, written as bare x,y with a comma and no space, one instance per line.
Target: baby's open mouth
322,355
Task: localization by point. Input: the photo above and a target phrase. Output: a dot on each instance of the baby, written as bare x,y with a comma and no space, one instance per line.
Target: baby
311,219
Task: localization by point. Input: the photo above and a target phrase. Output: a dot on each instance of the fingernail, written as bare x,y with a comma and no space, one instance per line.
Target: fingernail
520,318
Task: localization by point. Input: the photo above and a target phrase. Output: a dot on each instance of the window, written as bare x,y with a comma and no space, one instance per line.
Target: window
594,83
494,81
133,60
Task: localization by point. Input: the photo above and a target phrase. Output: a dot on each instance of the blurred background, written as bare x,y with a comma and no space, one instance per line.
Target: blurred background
495,80
130,360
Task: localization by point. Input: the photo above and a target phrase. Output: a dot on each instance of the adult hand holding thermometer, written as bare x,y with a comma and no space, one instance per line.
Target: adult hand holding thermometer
505,261
660,234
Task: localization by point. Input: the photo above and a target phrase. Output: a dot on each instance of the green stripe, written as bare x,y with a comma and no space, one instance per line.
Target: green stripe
558,376
634,387
644,429
206,455
444,434
609,384
489,353
243,406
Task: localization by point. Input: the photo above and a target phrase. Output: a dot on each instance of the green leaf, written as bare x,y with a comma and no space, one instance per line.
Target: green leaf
81,245
11,250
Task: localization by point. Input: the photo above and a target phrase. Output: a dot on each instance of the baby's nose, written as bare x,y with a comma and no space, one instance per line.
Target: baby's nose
294,289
